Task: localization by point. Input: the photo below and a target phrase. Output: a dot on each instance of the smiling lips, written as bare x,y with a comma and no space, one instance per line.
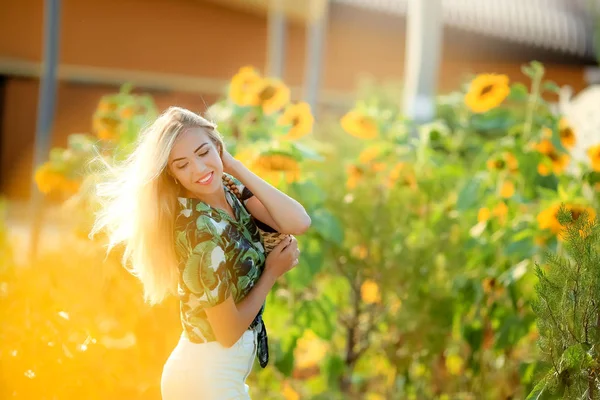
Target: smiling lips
206,179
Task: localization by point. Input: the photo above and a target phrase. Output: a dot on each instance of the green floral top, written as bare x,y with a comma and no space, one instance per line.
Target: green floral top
218,256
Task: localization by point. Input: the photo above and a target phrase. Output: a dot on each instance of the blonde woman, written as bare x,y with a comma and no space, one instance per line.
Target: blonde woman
185,233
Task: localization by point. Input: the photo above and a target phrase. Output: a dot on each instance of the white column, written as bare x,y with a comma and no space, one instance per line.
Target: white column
422,58
315,43
276,39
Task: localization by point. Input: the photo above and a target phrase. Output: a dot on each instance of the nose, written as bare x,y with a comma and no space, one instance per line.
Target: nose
199,168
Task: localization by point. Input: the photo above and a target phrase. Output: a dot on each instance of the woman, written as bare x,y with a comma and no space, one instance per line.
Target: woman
186,233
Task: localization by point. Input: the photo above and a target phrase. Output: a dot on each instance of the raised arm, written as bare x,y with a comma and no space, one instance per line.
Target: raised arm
269,204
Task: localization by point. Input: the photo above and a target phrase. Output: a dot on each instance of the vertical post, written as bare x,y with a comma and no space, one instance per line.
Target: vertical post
422,58
276,39
45,111
315,44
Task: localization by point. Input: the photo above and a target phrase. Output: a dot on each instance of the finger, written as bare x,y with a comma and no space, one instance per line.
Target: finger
282,245
291,248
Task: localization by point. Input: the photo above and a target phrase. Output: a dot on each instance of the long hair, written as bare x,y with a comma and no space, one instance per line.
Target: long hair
138,203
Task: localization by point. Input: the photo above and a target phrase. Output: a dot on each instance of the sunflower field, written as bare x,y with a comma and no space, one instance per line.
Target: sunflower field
417,277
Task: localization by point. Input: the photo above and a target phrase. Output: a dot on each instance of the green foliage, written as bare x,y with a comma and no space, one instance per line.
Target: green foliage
568,311
416,276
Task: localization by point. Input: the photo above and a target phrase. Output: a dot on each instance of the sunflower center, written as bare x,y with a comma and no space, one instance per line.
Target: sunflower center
365,122
575,214
553,156
267,93
486,89
566,133
296,121
110,122
499,164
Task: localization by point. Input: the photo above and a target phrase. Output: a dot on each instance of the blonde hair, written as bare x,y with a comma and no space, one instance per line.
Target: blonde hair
138,203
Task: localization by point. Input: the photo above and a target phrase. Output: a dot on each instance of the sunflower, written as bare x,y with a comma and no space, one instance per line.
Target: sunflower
272,166
107,104
300,118
360,125
487,91
107,127
511,162
403,176
496,164
548,218
503,161
355,175
241,87
567,136
48,180
271,94
594,154
559,161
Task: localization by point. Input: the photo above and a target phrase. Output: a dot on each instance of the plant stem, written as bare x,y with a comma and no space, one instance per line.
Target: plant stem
531,104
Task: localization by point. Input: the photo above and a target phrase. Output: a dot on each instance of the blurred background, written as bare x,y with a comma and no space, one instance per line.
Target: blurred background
430,140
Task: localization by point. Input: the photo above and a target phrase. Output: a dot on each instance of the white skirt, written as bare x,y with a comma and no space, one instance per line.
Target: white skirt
209,371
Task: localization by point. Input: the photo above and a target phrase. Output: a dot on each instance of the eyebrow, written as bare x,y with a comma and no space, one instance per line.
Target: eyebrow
195,151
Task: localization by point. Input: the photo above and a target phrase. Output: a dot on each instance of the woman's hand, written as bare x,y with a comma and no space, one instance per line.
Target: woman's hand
229,162
283,257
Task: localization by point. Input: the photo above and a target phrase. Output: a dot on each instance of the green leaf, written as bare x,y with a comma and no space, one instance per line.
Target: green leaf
473,334
551,87
592,177
534,70
309,194
575,357
285,364
306,152
540,391
467,198
328,226
334,368
512,329
518,92
520,248
316,316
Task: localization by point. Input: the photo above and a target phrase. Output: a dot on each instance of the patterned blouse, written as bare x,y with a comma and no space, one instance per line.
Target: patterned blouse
218,256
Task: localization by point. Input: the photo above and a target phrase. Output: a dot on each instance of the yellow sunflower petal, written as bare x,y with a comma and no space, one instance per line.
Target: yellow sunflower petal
566,133
507,190
484,214
369,292
594,154
543,169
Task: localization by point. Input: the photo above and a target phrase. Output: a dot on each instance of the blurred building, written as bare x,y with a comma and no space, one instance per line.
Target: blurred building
184,51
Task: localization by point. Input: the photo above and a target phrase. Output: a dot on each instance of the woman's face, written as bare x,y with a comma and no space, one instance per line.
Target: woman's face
195,163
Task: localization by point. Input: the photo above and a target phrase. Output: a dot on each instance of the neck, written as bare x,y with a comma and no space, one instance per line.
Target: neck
215,200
